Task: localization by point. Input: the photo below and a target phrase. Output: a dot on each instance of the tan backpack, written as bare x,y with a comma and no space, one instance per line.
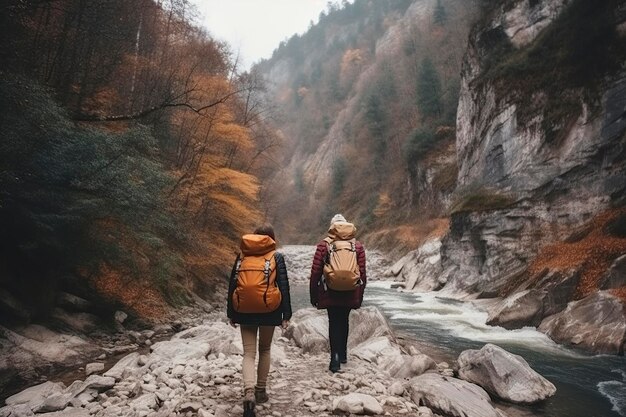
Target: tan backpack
341,269
256,290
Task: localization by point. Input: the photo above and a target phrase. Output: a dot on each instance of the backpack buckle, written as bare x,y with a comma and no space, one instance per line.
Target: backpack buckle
267,269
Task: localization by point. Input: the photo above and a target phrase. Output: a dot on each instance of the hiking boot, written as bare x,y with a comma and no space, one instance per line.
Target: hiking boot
249,403
343,357
335,364
260,394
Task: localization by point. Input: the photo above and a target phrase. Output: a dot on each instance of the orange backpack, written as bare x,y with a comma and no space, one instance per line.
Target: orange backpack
341,269
256,290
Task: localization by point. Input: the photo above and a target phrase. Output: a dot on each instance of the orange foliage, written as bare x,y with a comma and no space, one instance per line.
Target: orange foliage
593,254
409,236
138,295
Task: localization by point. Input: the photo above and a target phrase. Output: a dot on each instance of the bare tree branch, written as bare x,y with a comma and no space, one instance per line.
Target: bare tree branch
150,110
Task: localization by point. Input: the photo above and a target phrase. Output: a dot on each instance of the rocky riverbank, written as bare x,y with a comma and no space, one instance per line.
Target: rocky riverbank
71,339
197,372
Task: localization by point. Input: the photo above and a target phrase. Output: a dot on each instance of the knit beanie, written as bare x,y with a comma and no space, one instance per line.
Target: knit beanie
337,218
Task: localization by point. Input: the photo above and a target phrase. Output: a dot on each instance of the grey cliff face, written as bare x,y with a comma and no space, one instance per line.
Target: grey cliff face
555,186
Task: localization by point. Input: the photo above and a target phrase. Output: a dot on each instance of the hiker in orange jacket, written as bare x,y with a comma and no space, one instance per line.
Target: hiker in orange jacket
258,300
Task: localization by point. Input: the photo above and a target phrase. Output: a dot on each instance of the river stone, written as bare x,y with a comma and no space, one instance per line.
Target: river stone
146,401
422,269
405,366
521,309
596,323
356,403
93,382
219,336
72,302
451,397
367,323
504,375
92,368
378,348
179,351
124,366
397,389
120,316
309,330
20,410
68,412
35,396
56,402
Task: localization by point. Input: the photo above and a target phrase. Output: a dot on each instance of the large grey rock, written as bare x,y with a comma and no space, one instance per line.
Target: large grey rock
124,366
55,402
504,375
24,351
221,338
596,323
356,403
309,328
179,351
421,269
92,368
406,366
524,308
93,382
367,323
375,349
615,277
451,397
73,302
78,321
20,410
35,396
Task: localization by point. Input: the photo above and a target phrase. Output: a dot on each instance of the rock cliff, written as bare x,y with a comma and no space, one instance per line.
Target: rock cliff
539,209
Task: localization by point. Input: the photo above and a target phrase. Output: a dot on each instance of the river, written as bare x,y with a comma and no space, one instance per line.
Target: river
587,385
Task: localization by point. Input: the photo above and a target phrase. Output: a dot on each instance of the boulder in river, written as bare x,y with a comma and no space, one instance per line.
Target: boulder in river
503,374
518,310
596,323
420,269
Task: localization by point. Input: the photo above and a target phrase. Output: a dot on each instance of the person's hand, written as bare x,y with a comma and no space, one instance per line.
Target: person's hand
232,323
285,324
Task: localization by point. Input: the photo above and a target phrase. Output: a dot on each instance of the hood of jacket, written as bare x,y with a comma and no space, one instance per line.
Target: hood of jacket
257,244
342,231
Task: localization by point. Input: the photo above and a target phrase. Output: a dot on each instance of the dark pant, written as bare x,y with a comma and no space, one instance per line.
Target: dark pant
338,329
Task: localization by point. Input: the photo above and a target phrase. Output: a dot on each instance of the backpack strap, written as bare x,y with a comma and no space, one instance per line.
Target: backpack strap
238,264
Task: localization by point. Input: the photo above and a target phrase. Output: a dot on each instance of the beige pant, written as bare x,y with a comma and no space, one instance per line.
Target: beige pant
248,338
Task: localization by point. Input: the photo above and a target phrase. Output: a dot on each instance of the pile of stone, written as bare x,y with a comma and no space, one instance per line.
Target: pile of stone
197,373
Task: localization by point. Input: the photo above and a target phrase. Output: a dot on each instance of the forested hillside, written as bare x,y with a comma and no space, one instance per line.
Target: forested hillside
131,155
369,97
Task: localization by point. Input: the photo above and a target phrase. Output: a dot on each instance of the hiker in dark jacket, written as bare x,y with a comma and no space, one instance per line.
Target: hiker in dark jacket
338,304
259,244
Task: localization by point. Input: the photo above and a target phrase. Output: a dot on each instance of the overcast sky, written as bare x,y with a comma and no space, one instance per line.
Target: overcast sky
256,27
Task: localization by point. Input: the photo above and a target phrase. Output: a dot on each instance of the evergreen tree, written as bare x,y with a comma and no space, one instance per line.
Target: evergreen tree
439,16
429,90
